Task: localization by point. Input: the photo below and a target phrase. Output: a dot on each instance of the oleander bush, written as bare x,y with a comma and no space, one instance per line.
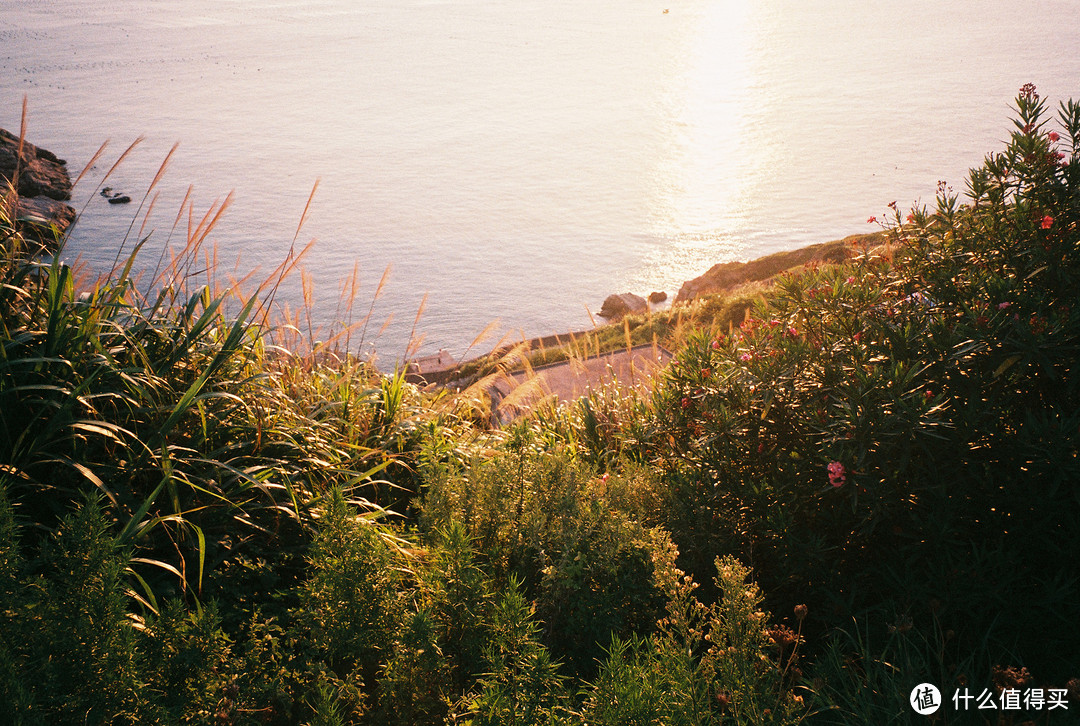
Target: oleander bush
896,438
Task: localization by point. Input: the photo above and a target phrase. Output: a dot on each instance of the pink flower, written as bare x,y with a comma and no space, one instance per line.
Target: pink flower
928,394
1047,222
716,344
851,281
792,332
746,357
837,474
871,220
1003,305
1053,136
685,403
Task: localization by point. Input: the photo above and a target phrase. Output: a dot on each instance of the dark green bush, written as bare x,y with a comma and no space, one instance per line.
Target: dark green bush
543,517
901,431
70,648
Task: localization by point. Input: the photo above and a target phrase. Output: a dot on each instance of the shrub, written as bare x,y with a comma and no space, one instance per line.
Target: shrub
543,517
707,664
349,605
523,685
872,424
72,642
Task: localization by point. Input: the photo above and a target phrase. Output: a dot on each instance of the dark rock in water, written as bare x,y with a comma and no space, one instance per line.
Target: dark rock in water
657,297
41,173
41,185
617,306
119,199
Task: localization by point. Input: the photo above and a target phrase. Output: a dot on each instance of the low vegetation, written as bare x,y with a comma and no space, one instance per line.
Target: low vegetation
856,480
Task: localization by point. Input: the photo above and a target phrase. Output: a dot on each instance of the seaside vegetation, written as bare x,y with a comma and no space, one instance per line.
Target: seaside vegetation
860,478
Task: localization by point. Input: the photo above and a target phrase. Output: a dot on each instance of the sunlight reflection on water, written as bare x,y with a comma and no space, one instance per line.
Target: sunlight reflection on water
523,160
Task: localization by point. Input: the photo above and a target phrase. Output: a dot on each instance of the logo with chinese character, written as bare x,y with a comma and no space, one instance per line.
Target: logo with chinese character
925,699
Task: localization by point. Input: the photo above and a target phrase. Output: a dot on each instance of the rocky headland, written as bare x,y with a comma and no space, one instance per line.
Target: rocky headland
726,276
37,186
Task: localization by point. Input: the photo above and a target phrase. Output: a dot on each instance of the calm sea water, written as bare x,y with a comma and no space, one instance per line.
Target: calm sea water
520,160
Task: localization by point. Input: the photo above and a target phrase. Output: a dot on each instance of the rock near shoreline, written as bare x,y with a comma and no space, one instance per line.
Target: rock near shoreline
41,188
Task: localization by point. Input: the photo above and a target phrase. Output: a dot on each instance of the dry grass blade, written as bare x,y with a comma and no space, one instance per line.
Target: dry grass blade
371,308
22,140
483,335
90,164
414,342
303,215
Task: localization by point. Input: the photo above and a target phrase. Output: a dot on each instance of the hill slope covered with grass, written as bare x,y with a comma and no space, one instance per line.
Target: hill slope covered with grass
872,483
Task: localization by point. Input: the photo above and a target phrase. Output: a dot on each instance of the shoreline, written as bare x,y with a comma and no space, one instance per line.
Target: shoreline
41,186
721,279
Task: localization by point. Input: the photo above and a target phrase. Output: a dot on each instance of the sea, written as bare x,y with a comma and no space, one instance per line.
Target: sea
507,164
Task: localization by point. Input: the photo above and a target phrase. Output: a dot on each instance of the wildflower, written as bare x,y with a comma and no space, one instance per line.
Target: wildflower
706,372
685,403
1053,136
928,394
746,357
604,478
837,474
871,220
1003,305
851,280
800,612
911,217
716,344
792,332
1047,222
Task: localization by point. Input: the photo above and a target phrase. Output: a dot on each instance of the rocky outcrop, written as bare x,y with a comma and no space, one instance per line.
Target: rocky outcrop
42,185
655,298
617,306
727,275
37,216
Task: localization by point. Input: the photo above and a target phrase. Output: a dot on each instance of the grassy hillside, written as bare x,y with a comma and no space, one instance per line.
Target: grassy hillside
861,478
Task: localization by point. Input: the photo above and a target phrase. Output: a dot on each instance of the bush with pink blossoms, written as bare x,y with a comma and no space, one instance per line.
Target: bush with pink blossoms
904,429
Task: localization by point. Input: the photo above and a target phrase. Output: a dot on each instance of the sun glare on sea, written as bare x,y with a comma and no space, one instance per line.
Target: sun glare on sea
707,177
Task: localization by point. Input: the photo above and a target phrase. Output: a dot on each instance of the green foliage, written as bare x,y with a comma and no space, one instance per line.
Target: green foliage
706,665
543,517
190,655
199,526
440,650
901,432
350,600
523,686
70,648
